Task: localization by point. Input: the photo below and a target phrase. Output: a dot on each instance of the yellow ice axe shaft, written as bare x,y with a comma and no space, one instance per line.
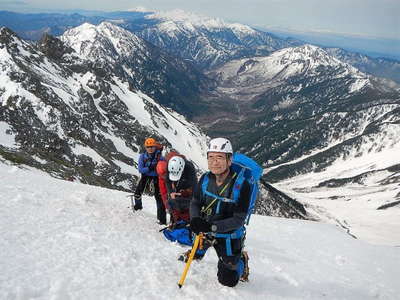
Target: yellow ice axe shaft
192,253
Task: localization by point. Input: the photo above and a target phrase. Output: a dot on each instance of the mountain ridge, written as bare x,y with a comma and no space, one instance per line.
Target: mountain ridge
144,66
79,124
34,25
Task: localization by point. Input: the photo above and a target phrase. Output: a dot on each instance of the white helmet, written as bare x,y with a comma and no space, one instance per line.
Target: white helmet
220,145
175,168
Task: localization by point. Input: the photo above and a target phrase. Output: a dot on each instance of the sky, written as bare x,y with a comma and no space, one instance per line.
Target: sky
365,18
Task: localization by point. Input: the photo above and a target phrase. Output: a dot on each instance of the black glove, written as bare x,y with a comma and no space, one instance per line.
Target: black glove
152,167
198,225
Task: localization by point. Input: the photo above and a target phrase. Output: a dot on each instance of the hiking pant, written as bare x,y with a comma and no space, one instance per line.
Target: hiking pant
179,208
144,180
230,268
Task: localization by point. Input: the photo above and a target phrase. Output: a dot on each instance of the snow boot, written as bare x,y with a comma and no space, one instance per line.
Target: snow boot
246,270
138,203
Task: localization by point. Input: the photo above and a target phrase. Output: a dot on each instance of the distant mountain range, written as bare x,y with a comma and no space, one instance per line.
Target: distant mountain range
371,46
206,42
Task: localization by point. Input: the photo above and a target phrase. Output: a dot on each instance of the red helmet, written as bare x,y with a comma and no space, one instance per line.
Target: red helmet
161,168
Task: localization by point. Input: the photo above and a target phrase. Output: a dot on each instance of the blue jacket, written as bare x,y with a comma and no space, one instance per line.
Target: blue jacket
146,160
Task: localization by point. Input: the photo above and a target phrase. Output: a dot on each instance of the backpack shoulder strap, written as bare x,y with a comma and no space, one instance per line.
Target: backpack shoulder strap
238,185
204,185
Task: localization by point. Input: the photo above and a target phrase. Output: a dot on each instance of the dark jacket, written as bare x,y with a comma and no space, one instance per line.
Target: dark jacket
231,215
185,186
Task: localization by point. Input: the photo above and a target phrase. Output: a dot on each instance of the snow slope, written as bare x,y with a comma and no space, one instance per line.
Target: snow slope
66,240
355,204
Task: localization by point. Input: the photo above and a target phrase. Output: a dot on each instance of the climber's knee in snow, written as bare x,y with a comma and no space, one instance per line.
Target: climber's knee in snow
227,276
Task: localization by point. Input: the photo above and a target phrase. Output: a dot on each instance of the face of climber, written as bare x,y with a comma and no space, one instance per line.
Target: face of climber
218,163
151,149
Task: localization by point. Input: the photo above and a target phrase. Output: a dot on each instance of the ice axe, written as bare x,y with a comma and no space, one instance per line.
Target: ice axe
196,243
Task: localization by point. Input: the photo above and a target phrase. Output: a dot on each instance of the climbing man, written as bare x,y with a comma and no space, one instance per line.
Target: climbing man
147,168
180,183
214,212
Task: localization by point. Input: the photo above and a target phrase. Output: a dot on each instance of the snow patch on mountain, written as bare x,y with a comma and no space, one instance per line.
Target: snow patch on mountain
358,85
7,138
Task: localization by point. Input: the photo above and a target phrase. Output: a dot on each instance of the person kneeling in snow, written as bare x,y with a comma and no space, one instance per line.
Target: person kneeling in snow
180,183
212,213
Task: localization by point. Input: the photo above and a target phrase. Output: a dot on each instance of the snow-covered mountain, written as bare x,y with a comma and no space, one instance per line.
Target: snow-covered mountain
66,240
114,50
300,86
250,77
207,42
60,114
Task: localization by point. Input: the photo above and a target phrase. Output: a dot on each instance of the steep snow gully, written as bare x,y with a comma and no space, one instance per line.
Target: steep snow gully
66,240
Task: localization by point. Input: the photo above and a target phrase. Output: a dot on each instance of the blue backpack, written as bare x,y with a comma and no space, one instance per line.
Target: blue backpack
247,169
180,234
